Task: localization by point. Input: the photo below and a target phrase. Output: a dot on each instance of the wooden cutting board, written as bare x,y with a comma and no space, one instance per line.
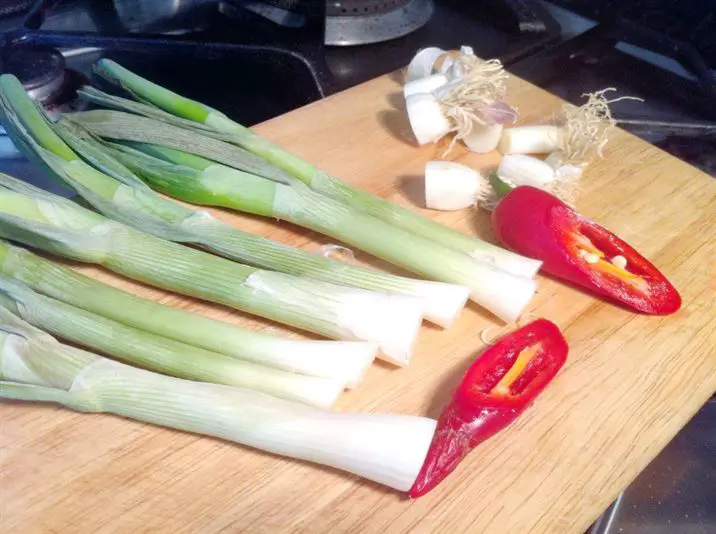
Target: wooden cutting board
630,384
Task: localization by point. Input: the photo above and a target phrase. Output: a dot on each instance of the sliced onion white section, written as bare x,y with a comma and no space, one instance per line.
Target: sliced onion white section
504,294
443,302
565,172
450,186
390,318
421,66
483,139
520,169
534,139
424,85
426,118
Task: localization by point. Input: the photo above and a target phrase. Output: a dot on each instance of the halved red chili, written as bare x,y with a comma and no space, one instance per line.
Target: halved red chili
539,225
496,389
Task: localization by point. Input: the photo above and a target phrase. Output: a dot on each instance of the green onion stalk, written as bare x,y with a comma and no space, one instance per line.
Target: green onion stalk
195,179
78,159
345,361
387,448
208,120
161,354
199,180
51,223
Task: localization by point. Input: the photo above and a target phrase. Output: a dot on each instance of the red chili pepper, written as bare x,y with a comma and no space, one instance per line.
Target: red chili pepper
534,223
497,388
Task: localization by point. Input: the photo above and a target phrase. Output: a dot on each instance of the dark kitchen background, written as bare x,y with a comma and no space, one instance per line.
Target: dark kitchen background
256,59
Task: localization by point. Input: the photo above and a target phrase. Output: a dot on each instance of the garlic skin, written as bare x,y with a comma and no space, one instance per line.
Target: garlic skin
534,139
426,118
450,186
424,85
520,169
483,139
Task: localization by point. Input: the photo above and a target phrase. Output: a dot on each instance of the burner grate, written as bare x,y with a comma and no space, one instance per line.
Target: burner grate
337,8
355,8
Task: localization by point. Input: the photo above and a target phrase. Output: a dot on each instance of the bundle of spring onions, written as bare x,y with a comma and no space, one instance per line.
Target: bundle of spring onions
386,448
198,180
195,179
344,361
115,191
504,294
161,354
204,123
40,219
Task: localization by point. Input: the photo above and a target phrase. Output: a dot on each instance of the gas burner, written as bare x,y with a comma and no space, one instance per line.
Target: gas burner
347,22
43,72
41,69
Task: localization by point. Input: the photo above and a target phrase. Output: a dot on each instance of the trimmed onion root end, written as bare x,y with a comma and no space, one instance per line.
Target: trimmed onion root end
450,186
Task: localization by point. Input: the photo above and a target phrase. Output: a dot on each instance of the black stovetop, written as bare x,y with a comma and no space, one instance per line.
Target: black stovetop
255,69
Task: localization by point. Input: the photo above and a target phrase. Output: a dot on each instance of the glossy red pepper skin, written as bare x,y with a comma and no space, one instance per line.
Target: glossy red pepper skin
534,223
477,412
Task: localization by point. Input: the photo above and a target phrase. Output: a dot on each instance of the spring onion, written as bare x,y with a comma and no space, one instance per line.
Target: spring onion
386,448
119,194
161,354
45,221
203,120
339,360
201,181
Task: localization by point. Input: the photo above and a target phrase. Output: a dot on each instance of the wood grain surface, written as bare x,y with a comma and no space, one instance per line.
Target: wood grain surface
630,384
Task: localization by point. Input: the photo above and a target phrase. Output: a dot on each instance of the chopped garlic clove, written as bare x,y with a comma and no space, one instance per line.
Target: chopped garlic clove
450,186
426,118
483,139
520,169
535,139
424,85
422,64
